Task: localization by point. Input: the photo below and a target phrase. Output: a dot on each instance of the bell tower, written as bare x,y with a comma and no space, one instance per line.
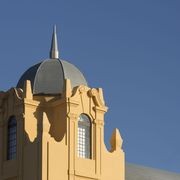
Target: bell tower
52,127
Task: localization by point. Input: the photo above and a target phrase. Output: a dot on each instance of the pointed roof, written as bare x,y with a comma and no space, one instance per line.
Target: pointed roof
137,172
54,53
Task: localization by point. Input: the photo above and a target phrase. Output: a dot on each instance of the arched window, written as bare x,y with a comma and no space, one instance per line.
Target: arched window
12,138
84,136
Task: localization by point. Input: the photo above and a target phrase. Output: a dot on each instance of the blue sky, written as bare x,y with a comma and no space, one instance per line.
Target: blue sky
129,48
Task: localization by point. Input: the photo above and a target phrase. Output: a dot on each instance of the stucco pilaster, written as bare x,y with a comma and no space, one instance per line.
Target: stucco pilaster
72,126
20,144
99,129
45,148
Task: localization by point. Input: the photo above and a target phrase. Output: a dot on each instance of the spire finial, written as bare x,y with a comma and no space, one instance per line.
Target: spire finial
54,53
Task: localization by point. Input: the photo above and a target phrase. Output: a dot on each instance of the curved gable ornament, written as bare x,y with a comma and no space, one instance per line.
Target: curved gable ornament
97,97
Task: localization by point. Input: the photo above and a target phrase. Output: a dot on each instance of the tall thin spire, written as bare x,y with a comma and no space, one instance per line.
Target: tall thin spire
54,53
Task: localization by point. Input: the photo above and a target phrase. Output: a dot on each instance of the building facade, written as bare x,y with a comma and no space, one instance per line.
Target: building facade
52,127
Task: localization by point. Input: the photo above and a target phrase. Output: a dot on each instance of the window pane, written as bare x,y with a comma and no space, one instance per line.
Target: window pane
12,136
84,136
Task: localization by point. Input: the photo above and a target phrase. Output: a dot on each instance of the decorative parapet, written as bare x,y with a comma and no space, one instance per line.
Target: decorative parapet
27,90
10,102
116,141
97,96
67,89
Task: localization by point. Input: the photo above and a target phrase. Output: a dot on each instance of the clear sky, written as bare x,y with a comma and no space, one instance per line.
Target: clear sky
130,48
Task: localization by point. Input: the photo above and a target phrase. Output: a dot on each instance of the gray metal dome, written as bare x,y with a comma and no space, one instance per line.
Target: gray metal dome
48,76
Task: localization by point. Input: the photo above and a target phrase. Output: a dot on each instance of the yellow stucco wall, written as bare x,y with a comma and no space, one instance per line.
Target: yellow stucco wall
47,136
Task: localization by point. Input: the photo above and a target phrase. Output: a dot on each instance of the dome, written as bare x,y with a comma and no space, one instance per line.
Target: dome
48,76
